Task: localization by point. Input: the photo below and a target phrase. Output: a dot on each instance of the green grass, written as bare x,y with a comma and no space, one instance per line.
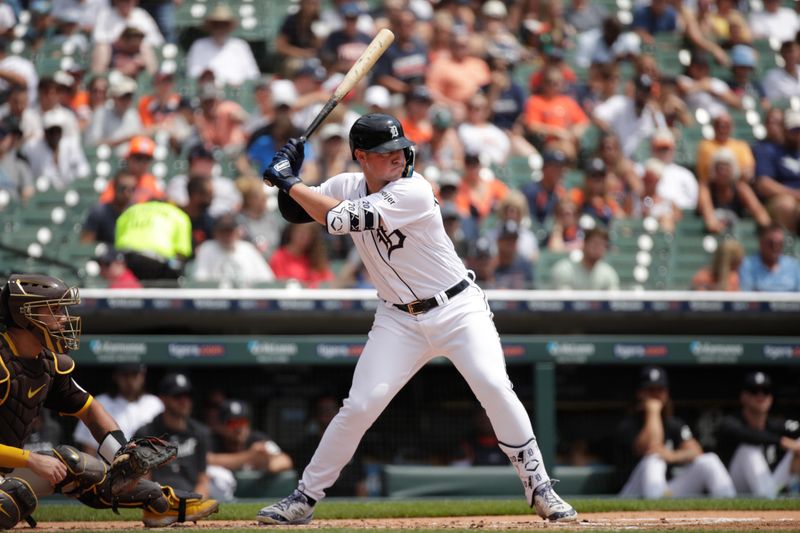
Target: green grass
342,509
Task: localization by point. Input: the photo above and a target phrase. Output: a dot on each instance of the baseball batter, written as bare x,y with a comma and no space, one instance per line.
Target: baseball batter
430,307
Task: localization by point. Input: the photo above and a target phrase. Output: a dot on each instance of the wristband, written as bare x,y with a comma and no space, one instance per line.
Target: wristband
110,445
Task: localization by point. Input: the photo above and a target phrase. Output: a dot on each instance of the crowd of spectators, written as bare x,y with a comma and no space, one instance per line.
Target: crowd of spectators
479,86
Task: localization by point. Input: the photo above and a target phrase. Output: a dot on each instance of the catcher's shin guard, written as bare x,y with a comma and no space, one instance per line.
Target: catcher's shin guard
17,501
181,506
84,472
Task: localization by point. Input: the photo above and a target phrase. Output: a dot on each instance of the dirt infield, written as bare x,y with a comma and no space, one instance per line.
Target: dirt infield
645,520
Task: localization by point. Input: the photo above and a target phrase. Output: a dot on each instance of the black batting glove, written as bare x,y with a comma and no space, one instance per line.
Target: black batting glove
294,151
280,174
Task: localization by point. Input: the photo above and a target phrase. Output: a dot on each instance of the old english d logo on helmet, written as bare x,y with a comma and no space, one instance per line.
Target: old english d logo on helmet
378,132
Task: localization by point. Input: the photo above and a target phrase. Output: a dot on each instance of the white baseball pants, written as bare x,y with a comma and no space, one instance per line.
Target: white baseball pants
398,345
649,479
751,473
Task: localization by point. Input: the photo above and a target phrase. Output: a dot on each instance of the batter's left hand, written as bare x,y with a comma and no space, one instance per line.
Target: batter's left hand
294,152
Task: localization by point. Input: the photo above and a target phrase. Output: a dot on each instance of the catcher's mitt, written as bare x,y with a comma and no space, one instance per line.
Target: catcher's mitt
137,458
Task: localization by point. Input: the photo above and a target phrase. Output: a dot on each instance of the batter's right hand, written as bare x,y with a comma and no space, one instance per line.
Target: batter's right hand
49,468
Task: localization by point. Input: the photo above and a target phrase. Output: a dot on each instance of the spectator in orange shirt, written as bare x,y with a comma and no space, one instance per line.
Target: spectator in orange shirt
723,125
553,57
140,155
162,103
554,119
416,123
478,196
220,122
302,256
454,78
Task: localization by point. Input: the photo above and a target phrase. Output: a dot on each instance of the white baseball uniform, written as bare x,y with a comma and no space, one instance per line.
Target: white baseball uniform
409,258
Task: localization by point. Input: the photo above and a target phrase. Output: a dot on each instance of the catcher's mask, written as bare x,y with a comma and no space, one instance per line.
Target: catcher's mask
40,304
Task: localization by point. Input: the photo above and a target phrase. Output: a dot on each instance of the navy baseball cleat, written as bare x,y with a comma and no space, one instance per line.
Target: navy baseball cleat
295,509
550,506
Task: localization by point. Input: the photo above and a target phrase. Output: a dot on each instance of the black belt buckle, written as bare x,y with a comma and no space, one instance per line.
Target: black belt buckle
417,308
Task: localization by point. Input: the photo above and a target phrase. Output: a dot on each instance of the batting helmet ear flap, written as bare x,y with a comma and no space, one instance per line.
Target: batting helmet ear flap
410,154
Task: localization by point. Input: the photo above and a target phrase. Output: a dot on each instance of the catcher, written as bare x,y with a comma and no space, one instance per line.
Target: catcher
36,332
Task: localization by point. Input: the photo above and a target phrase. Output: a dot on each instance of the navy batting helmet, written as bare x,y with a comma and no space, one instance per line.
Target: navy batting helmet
378,132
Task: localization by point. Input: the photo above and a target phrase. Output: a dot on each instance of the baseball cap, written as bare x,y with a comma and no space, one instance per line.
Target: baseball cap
174,385
494,9
141,145
330,130
221,13
662,137
653,376
312,67
121,86
554,156
198,151
55,118
420,93
743,56
700,58
350,10
283,92
791,119
233,410
757,381
63,78
378,96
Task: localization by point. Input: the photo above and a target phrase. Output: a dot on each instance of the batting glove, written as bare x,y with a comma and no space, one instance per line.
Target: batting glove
279,173
294,151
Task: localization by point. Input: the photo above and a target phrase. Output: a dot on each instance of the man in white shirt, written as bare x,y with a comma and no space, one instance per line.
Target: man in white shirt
49,104
633,120
784,83
677,184
85,11
57,158
774,22
131,406
16,70
227,198
228,259
591,272
110,24
229,58
117,122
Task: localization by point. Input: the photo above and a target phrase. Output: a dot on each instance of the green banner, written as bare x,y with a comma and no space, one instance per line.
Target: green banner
320,350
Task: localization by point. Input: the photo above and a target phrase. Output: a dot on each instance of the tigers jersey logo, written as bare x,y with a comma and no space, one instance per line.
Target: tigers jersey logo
393,241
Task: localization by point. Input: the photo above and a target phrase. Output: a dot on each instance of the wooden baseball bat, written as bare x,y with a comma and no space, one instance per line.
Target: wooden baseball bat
362,65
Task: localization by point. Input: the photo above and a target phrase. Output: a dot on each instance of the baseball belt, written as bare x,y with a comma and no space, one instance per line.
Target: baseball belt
422,306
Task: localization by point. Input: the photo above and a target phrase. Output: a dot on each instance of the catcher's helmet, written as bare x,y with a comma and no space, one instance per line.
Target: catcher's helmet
40,304
378,132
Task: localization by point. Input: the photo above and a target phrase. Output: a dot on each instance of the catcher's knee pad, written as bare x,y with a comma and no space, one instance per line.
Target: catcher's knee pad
145,494
17,501
83,471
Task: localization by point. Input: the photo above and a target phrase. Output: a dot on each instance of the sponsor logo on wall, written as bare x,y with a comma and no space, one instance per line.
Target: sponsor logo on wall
781,351
189,350
640,351
272,352
716,352
571,352
335,351
117,351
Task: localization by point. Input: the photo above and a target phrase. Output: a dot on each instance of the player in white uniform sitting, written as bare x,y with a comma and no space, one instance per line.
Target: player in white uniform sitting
430,307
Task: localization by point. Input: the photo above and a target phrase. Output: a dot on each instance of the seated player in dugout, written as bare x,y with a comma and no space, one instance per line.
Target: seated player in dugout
762,450
36,333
